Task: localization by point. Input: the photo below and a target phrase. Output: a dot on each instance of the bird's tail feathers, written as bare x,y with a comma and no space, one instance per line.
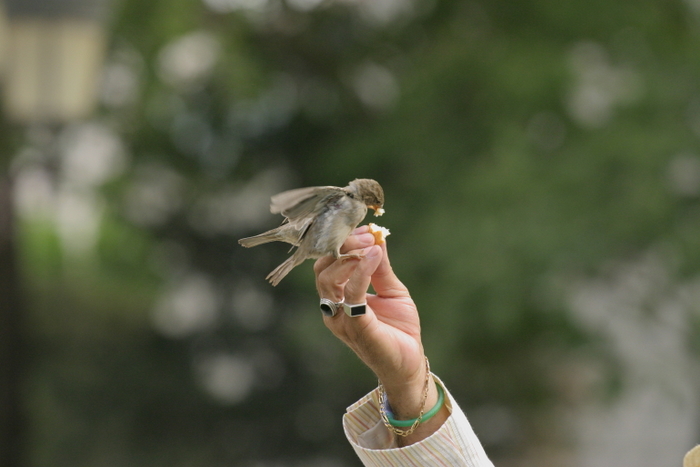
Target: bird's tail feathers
255,240
283,269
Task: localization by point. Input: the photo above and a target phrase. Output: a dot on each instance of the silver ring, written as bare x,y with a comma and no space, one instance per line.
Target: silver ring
355,310
329,307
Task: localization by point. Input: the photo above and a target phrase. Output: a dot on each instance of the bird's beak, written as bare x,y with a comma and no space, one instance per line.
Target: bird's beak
378,211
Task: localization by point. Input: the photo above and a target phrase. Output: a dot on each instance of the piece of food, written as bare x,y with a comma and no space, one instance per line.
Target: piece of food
380,233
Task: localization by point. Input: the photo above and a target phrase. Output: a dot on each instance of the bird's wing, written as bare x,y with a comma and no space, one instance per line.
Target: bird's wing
297,205
302,227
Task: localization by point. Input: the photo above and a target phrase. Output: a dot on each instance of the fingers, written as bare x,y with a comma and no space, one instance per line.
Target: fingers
361,229
349,280
360,238
358,283
357,241
322,263
385,282
332,275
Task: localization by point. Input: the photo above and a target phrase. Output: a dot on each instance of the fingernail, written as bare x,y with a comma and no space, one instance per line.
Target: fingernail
367,238
360,230
373,252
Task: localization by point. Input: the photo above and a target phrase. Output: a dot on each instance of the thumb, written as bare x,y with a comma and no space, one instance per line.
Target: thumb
385,282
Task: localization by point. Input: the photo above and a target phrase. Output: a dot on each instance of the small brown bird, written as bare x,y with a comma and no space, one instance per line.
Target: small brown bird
318,220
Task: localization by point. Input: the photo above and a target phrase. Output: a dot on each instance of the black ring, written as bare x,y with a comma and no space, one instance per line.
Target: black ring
355,310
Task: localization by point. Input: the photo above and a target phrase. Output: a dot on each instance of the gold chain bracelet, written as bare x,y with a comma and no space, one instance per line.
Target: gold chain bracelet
383,402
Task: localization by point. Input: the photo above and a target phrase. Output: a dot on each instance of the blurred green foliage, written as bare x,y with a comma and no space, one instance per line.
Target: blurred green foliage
521,145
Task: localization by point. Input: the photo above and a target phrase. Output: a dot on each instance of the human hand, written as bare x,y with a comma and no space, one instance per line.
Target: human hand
387,338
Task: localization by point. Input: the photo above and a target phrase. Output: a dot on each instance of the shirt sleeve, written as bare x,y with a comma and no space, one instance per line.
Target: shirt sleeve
454,444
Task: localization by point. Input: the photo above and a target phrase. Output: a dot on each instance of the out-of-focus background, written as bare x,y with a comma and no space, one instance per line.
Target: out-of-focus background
541,163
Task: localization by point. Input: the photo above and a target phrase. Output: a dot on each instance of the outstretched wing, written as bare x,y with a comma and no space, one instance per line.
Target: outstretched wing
298,205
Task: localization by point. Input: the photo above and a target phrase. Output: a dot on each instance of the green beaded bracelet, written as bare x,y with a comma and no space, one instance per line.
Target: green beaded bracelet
426,416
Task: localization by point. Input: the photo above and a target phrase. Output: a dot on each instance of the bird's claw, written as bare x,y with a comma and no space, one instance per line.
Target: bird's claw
348,256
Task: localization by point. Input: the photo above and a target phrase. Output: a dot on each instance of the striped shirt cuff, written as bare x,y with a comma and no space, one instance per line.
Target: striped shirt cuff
454,444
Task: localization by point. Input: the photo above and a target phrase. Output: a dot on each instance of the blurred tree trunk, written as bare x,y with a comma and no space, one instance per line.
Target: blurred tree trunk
11,423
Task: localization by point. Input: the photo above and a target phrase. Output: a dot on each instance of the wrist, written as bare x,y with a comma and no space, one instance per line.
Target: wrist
406,406
410,413
423,416
408,396
407,401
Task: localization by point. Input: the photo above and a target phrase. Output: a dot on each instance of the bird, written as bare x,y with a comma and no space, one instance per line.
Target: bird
318,220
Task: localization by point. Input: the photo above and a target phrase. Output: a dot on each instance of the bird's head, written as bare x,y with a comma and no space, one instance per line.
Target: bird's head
369,192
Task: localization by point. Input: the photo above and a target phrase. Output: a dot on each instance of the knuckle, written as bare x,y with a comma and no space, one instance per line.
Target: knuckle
329,287
319,266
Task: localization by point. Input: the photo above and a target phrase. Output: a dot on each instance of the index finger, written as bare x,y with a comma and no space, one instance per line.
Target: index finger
359,239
